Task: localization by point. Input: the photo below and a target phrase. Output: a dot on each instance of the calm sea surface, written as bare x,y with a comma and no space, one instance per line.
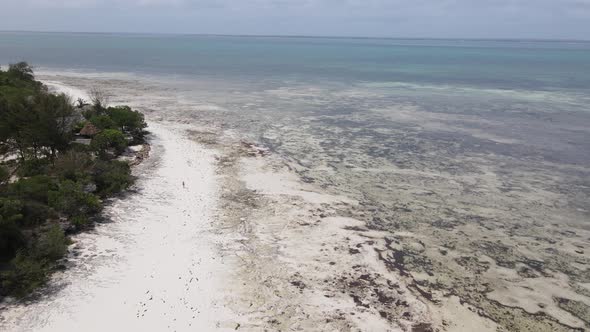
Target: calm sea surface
497,64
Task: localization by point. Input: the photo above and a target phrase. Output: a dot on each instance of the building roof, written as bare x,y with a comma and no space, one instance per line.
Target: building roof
89,130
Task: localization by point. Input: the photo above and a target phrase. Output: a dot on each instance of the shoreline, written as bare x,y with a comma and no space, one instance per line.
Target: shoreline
303,257
250,236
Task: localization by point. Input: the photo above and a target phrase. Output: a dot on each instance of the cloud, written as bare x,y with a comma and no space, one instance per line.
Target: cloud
411,18
99,3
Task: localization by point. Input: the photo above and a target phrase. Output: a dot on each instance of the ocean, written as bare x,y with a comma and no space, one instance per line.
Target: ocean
478,148
502,64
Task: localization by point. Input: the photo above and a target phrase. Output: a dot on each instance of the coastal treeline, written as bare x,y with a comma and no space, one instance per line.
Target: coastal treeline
58,161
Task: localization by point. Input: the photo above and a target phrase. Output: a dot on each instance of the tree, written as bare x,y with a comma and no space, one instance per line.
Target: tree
35,213
4,174
55,123
21,70
109,139
37,126
103,121
73,165
71,200
5,128
80,102
52,244
11,237
26,274
128,121
11,209
19,79
112,177
98,97
33,188
17,119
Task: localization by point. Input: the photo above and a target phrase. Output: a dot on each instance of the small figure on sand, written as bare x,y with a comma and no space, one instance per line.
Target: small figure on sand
183,184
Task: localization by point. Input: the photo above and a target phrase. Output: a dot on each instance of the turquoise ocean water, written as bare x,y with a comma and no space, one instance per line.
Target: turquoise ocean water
497,64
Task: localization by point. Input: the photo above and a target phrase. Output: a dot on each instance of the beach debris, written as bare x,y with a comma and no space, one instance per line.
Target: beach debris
141,155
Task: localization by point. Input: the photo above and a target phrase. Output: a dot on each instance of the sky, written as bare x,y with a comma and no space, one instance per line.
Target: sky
538,19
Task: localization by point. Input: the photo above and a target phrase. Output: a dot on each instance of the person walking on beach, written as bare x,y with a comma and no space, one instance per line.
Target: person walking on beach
183,184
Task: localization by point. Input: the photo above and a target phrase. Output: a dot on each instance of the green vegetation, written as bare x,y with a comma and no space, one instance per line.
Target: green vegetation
51,186
111,177
4,174
109,140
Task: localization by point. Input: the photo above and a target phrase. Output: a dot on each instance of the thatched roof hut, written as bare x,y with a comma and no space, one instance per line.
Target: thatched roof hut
89,130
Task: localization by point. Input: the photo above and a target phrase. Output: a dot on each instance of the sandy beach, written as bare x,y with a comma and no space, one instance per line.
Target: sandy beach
154,266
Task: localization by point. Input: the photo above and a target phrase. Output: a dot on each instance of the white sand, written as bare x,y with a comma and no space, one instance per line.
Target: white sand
155,267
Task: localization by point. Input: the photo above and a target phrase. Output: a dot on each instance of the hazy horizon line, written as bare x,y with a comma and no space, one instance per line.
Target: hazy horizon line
507,39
